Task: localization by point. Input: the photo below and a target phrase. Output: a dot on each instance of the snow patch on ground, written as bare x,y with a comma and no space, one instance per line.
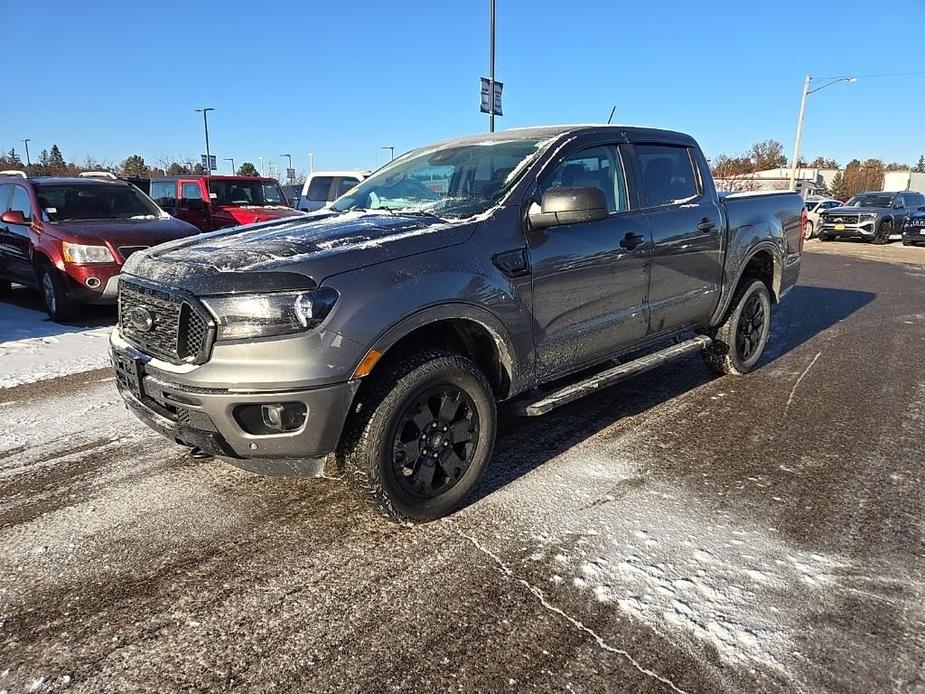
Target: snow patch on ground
34,348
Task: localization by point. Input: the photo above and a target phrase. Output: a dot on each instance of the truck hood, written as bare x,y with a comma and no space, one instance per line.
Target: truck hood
250,215
124,232
312,246
835,211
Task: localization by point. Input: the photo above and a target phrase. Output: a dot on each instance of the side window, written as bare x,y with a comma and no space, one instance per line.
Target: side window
191,191
598,167
343,185
319,187
21,202
164,193
918,200
667,173
832,203
5,196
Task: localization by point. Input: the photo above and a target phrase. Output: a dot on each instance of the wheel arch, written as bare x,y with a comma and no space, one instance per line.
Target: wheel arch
763,262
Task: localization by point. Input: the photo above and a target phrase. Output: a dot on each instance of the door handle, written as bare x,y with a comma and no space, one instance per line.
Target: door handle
632,241
706,225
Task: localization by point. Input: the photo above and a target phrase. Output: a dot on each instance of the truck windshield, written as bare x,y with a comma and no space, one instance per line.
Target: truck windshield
68,201
873,200
240,193
454,181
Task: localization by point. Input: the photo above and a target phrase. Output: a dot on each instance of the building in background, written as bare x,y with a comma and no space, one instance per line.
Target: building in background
809,181
904,180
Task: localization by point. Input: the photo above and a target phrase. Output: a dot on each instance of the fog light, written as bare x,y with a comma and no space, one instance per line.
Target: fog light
93,282
283,416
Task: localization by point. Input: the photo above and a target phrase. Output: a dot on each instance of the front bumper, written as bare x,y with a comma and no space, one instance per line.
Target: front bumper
913,234
205,418
82,277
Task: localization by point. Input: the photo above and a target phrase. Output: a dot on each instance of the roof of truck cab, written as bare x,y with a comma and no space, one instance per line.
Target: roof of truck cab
196,177
546,132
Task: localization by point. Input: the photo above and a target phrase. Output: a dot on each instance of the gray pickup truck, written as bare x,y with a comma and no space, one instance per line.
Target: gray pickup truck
528,267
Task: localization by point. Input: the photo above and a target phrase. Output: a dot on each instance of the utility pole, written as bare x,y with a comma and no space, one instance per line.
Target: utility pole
289,157
232,164
796,145
311,162
491,66
205,123
26,143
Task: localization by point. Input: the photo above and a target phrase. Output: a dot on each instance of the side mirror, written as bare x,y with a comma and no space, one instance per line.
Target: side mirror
12,217
569,206
193,204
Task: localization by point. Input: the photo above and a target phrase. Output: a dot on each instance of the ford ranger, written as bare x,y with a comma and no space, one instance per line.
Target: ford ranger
529,267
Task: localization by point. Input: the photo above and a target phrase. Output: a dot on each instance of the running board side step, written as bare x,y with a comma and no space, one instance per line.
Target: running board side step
609,377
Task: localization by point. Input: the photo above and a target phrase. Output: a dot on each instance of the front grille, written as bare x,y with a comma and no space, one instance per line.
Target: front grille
126,251
176,330
841,219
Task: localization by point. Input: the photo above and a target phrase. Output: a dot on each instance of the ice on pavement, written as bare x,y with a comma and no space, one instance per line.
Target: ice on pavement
34,348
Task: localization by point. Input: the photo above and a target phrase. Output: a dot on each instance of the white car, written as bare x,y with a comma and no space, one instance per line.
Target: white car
813,207
324,187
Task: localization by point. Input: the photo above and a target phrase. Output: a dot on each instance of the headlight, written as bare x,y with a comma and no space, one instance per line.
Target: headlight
868,217
262,315
80,254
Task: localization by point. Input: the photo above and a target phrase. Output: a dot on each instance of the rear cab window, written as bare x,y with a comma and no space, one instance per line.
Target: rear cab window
319,188
164,193
668,174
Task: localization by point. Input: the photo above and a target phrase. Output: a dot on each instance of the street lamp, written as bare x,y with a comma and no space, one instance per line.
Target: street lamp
289,157
26,143
311,162
205,123
232,164
806,92
391,149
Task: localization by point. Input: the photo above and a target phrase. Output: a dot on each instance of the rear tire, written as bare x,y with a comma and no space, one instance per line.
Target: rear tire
59,305
741,339
425,404
884,232
810,229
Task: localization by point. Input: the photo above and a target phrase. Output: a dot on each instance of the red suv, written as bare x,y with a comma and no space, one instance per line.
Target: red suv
69,237
216,202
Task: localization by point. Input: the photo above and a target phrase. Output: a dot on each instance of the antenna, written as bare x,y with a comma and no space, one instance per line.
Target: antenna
612,111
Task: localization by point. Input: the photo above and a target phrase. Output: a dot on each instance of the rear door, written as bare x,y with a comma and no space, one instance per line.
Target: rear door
6,236
687,231
16,239
590,279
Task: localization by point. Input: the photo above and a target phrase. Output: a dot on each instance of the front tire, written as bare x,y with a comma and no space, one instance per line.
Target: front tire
58,304
741,339
884,232
810,229
420,437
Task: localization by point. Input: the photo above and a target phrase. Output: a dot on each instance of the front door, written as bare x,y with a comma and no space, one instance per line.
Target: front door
193,206
16,239
687,230
590,279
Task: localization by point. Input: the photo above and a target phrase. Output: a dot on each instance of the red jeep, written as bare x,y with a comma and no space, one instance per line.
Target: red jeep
216,202
69,237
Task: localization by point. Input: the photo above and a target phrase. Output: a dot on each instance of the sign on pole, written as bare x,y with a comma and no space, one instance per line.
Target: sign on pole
491,100
209,163
290,174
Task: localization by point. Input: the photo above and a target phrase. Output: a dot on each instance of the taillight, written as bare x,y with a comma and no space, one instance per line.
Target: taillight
802,229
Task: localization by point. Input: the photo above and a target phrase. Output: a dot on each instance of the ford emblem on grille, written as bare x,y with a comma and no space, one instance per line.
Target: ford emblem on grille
139,318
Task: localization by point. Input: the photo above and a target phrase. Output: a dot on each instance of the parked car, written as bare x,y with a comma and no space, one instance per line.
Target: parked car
914,229
873,216
324,187
814,207
69,237
217,202
387,328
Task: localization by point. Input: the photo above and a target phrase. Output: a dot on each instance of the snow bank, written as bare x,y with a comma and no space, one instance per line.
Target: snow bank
33,348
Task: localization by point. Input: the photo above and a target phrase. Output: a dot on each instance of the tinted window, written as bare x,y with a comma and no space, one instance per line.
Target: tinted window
164,193
344,185
94,201
191,191
246,192
4,196
319,187
830,204
599,167
667,174
916,199
21,202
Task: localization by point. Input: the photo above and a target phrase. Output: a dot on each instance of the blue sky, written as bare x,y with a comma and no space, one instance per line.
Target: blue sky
110,79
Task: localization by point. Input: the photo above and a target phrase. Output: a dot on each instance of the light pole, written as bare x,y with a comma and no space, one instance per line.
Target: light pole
205,123
260,162
391,149
232,164
26,143
289,157
491,66
311,162
796,145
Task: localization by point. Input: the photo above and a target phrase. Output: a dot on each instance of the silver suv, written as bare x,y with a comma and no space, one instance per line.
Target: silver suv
874,216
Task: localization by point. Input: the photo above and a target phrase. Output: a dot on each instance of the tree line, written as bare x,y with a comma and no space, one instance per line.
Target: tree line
857,176
51,162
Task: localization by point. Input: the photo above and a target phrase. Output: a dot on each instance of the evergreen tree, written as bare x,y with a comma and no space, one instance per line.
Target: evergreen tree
56,163
13,159
248,169
920,167
135,166
838,189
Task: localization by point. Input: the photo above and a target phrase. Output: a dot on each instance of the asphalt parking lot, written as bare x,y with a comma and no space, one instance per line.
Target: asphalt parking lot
679,532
